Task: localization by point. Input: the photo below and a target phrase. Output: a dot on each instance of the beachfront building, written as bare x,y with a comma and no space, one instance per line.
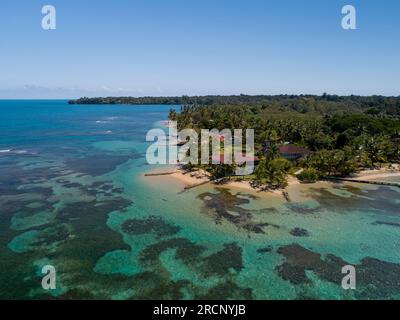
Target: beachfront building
288,151
292,152
242,159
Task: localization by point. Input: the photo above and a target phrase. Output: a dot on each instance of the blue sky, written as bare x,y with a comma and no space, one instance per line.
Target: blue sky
176,47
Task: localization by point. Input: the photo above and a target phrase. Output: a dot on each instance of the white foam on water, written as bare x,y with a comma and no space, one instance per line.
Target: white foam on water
11,151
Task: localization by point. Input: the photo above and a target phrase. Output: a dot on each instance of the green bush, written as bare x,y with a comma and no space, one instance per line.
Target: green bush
308,176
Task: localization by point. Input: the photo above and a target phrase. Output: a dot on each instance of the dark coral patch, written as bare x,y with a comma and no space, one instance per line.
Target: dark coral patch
299,259
99,208
186,250
25,208
152,285
44,192
294,274
303,209
105,188
153,225
13,177
226,290
225,206
376,279
97,165
53,234
220,263
221,203
265,249
258,227
72,185
387,223
381,199
117,190
299,232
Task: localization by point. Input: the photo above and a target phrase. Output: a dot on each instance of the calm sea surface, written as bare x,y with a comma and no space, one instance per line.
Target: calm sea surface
73,195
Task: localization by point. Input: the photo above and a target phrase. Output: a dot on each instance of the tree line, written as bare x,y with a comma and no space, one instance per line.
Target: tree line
343,134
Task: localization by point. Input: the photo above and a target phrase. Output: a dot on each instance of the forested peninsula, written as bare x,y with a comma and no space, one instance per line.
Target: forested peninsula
313,136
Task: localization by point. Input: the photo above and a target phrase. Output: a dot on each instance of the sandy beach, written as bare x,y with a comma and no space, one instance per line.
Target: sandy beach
196,178
378,174
200,177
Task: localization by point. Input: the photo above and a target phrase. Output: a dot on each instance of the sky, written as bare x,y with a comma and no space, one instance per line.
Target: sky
198,47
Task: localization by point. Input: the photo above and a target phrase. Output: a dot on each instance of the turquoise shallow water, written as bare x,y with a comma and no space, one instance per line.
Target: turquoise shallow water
73,194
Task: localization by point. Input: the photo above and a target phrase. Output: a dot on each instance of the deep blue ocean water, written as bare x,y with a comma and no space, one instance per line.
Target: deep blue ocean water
73,195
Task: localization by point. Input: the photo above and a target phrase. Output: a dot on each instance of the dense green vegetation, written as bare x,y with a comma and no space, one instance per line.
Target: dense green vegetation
325,104
273,172
131,100
308,175
343,134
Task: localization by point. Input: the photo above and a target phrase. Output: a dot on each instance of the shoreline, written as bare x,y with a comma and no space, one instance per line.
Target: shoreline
376,174
197,178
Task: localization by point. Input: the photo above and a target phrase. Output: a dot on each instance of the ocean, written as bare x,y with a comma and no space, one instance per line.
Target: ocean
73,195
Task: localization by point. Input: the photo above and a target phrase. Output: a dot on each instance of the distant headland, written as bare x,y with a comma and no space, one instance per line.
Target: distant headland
238,99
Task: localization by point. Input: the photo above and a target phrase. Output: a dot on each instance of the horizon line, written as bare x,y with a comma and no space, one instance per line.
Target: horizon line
210,95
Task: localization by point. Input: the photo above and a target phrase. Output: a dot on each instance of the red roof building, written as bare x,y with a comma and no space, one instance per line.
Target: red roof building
292,152
240,160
